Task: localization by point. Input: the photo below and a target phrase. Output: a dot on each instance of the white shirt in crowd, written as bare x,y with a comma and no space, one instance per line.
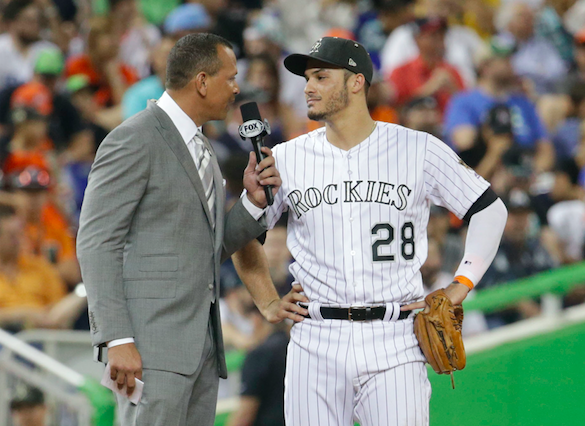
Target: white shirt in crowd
567,220
15,67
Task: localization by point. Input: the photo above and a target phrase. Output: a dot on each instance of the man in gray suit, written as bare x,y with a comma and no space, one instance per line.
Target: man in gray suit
153,233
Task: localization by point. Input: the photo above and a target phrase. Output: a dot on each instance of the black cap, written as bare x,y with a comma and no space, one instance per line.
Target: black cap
518,201
569,167
427,102
336,51
430,24
26,396
499,119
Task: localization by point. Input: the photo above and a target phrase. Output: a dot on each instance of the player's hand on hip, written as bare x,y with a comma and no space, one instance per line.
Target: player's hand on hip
257,176
287,307
125,366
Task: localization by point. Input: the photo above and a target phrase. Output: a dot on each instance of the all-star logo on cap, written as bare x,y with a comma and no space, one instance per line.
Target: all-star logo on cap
335,51
315,47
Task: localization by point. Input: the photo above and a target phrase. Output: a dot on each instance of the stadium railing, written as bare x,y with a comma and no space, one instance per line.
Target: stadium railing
93,404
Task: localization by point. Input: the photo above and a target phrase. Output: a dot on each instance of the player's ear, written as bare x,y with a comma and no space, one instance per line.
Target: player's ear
357,83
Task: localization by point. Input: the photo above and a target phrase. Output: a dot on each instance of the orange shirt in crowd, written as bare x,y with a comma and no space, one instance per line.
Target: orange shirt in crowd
36,285
51,238
410,77
19,160
81,64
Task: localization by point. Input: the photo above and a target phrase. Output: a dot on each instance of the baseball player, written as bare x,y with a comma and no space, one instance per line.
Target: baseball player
358,194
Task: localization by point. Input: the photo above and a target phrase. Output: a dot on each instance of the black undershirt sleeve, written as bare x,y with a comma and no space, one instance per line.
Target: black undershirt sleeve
484,200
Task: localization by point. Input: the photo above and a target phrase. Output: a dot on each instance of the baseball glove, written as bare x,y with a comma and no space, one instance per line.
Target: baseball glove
439,334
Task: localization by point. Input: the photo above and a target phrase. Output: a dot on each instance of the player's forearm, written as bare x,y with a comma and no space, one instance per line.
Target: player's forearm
252,267
483,239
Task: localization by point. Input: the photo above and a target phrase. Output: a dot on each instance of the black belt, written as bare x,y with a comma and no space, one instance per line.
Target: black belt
357,313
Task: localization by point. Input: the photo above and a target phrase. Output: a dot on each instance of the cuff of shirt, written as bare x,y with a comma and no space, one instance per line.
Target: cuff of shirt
255,212
118,342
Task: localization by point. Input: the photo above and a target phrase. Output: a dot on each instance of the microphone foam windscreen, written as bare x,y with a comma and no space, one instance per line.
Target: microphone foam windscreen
250,111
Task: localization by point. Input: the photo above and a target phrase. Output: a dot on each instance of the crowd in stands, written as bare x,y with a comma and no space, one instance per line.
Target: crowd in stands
502,82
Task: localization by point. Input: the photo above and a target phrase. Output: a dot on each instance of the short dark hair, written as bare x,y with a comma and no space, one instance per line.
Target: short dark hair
348,73
6,211
14,8
191,55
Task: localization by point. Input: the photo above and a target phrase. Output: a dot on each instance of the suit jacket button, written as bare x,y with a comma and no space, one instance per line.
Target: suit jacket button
210,286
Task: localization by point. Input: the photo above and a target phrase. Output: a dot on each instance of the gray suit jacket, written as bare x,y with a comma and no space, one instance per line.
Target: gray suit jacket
148,254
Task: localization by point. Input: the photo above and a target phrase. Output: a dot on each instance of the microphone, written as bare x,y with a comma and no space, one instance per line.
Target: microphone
255,129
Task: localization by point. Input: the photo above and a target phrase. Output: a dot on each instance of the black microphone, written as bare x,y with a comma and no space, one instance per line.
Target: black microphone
255,129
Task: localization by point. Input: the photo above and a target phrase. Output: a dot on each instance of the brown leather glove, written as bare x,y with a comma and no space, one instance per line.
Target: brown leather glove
439,334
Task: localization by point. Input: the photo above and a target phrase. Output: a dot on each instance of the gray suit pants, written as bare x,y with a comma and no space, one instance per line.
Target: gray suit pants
171,399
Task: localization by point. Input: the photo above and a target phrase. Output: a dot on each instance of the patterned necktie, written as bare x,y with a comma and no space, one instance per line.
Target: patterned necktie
205,169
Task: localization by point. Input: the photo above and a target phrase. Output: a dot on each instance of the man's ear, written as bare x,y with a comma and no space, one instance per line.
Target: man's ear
201,81
357,82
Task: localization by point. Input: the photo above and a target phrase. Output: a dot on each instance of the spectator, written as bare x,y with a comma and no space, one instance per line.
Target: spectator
262,389
494,141
556,107
422,114
520,255
20,45
45,233
137,37
567,217
236,324
108,77
428,74
279,258
29,285
497,84
65,128
152,87
28,407
262,85
187,18
447,236
549,25
535,58
374,26
461,44
30,107
566,136
265,36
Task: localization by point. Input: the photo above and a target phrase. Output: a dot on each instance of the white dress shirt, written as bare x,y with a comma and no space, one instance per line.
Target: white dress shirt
188,129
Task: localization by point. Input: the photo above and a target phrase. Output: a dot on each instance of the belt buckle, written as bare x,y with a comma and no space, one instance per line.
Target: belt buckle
358,313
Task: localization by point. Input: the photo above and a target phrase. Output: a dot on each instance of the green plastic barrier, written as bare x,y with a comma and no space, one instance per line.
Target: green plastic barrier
102,400
559,281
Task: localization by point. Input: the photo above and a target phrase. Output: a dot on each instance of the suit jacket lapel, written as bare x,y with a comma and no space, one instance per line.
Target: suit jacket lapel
173,138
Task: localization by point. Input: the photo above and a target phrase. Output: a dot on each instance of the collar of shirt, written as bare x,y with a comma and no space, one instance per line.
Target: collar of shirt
186,127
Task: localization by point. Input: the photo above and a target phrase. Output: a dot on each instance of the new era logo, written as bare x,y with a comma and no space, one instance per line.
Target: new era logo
467,262
352,63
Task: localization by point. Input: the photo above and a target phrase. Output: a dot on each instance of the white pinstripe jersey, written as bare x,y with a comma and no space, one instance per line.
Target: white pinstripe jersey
358,218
